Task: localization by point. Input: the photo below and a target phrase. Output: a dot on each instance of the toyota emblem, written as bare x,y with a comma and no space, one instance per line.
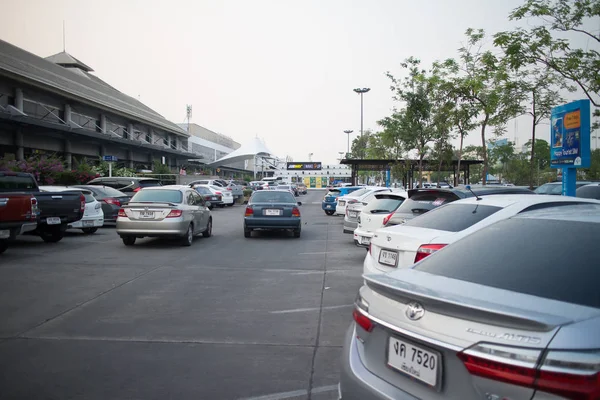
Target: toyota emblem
414,311
389,238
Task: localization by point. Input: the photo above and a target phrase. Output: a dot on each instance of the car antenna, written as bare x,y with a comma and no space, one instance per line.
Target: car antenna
470,190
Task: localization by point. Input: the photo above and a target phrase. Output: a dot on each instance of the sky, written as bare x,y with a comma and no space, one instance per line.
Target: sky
280,70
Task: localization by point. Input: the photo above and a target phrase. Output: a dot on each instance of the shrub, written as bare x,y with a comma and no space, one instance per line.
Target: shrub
43,167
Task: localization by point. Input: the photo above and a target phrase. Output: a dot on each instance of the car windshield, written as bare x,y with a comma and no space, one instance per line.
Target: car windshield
284,187
383,204
518,247
333,193
150,183
421,202
272,197
158,196
13,182
357,193
549,188
589,192
453,217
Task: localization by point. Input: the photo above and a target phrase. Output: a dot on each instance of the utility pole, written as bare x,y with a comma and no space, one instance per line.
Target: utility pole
348,132
188,115
361,91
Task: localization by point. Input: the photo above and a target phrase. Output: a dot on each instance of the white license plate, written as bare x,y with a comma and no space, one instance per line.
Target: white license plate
365,240
88,223
328,206
352,214
213,198
414,361
342,203
272,212
387,257
53,221
146,214
4,234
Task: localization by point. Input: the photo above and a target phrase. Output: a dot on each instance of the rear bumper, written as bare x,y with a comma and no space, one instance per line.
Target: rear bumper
349,226
361,237
12,230
328,206
228,200
128,227
86,222
272,222
357,382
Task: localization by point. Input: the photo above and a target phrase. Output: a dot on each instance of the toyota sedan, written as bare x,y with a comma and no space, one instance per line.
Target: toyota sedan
272,210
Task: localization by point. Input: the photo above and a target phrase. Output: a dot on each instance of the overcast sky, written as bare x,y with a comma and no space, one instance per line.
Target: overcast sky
281,70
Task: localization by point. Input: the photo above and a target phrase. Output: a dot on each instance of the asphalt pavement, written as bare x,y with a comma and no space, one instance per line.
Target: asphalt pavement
227,318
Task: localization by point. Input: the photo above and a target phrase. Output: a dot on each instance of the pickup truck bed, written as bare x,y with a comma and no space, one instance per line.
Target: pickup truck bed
18,215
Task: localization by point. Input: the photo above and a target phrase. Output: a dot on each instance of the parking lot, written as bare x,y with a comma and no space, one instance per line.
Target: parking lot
227,318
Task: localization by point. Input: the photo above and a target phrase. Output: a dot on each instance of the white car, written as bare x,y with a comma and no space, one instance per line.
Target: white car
93,216
376,214
354,207
342,201
227,196
401,246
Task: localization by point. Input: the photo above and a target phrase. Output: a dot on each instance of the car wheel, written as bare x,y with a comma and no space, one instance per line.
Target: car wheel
208,231
329,212
52,235
221,205
297,232
189,236
3,246
89,231
128,240
247,232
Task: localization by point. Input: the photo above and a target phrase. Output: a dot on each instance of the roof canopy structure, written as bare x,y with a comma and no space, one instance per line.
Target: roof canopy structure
254,148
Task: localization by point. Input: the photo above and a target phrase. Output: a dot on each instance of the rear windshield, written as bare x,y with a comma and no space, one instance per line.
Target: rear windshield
422,202
589,192
549,189
150,183
158,196
384,204
10,182
112,192
514,255
453,217
334,193
273,197
357,192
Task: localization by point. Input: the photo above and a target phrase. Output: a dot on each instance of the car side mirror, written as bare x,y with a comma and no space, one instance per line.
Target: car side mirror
299,203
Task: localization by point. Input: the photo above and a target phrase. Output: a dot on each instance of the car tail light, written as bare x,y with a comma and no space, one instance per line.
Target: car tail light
295,212
426,250
249,211
228,188
387,219
362,320
122,213
371,248
110,200
82,203
573,375
219,193
137,189
98,206
34,209
174,214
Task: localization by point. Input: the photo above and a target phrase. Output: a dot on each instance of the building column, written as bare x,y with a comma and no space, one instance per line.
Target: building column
102,123
130,159
102,150
68,154
151,136
67,116
19,99
130,132
19,144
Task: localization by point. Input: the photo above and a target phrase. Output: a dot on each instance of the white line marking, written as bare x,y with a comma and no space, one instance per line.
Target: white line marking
294,393
296,310
320,252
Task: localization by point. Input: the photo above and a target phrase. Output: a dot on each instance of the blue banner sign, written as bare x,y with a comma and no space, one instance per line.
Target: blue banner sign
570,135
109,158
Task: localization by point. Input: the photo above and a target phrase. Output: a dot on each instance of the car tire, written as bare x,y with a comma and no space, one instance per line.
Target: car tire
208,232
3,246
247,232
297,232
52,235
89,231
329,212
221,205
188,239
128,240
211,207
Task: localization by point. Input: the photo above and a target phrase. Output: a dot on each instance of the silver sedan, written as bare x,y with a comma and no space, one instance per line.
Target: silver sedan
164,211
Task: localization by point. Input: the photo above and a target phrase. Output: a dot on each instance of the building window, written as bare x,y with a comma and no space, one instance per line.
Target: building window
84,121
42,111
149,137
166,142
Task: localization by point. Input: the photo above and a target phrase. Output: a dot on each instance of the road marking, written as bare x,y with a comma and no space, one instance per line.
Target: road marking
320,252
320,272
294,393
297,310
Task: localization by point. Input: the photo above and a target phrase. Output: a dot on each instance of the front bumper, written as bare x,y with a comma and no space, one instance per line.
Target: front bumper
357,382
272,222
170,227
85,222
362,238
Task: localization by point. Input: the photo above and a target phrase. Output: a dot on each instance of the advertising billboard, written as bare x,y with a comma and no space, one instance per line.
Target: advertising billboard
570,135
304,166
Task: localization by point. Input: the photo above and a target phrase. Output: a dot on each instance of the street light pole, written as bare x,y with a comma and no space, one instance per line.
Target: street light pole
361,91
348,132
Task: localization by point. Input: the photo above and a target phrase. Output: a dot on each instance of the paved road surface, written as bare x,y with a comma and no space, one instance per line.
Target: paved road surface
227,318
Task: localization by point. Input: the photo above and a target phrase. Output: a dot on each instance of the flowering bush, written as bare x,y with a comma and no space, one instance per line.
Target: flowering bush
44,168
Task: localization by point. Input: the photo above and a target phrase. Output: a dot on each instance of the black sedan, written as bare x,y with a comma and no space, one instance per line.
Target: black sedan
210,198
111,200
272,210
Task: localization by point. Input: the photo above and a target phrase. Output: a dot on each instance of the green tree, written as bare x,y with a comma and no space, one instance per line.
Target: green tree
502,155
593,173
359,146
542,43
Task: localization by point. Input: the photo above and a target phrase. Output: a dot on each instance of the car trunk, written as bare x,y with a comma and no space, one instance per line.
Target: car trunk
353,211
148,211
272,209
430,333
370,222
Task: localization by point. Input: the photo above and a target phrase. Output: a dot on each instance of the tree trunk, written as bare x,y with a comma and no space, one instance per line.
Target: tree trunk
532,161
439,172
421,156
483,145
460,149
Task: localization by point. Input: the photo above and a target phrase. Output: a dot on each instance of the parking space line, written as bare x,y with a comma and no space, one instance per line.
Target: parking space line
320,252
291,394
296,310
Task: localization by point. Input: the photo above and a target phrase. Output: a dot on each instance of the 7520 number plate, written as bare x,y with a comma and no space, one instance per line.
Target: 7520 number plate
415,361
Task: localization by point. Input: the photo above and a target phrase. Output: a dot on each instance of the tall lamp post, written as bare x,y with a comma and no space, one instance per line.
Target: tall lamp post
361,91
348,132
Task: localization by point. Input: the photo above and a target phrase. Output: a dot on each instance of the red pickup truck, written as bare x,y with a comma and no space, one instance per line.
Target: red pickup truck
18,215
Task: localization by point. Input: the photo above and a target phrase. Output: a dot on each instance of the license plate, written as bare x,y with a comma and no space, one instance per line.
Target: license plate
88,223
146,214
328,206
365,240
342,202
352,214
53,221
272,212
387,257
213,198
414,361
4,234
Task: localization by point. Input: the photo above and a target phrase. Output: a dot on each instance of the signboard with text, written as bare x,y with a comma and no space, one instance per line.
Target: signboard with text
304,166
570,135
